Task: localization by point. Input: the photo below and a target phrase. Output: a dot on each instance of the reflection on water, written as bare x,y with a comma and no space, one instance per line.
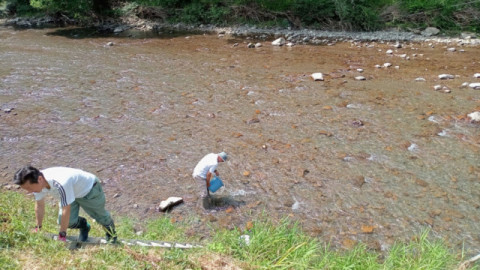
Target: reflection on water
350,160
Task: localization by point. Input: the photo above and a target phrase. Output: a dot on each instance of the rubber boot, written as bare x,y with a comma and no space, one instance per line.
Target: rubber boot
84,228
110,233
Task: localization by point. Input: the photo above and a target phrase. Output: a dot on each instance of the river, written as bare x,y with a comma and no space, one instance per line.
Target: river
375,161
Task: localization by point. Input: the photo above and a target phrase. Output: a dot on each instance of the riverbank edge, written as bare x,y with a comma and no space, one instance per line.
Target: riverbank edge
295,36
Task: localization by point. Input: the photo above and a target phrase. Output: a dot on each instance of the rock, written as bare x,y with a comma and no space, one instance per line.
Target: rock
110,43
258,45
250,45
430,31
387,65
451,49
437,87
389,51
279,42
420,79
317,76
360,78
170,202
360,70
446,76
474,116
290,44
476,75
475,86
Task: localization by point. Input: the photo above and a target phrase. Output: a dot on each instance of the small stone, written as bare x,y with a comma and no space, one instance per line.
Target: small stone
420,79
474,116
246,173
446,76
389,51
360,70
360,78
475,86
116,195
476,75
437,87
451,49
387,65
250,45
110,43
317,76
258,45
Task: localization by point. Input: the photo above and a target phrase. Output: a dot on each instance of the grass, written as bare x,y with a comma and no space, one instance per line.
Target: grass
272,245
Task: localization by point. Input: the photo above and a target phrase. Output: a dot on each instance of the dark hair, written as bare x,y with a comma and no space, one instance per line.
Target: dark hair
27,173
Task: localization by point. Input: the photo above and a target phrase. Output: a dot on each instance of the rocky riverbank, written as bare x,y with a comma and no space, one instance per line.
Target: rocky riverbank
295,36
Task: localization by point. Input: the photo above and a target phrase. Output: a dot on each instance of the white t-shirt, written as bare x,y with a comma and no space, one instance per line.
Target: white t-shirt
66,184
207,164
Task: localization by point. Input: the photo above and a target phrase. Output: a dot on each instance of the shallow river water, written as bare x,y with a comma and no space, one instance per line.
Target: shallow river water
374,161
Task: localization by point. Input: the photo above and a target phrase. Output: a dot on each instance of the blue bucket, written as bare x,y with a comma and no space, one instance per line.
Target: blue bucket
215,184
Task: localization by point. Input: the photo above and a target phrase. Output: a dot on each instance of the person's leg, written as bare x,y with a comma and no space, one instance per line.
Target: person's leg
94,205
203,194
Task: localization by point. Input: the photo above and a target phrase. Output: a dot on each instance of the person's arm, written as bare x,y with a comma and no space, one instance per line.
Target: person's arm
65,218
39,212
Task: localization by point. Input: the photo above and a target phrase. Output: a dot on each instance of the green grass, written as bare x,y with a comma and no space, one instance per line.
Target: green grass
273,245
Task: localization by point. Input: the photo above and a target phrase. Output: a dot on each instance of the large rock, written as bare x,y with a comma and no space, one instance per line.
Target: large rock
170,202
279,42
430,31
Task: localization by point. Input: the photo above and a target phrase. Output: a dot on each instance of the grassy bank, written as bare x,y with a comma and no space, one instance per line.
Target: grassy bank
447,15
271,245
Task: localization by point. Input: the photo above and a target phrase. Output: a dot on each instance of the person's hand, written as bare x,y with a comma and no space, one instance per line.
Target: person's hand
62,236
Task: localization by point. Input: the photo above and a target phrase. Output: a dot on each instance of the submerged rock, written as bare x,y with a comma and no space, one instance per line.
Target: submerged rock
317,76
474,117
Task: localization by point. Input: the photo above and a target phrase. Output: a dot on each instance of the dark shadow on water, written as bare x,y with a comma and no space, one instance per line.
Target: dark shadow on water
93,32
220,202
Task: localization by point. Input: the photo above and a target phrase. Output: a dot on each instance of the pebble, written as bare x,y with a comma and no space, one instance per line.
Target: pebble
317,76
446,76
420,79
437,87
387,65
474,116
475,86
360,78
389,51
476,75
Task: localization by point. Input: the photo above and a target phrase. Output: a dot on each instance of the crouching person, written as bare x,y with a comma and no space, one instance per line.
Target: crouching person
73,188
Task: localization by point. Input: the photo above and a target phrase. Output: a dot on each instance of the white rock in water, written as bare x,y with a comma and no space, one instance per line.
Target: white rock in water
475,116
446,76
317,76
378,66
169,202
420,79
387,65
412,147
360,70
465,84
279,42
437,87
360,78
451,49
258,45
389,52
476,75
475,86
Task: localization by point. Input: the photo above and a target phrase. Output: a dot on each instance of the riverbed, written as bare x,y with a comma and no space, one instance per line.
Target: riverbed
376,160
